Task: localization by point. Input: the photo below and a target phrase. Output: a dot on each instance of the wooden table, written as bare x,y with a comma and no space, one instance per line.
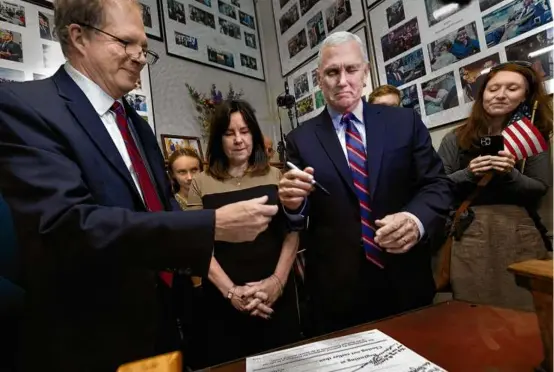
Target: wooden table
458,337
537,276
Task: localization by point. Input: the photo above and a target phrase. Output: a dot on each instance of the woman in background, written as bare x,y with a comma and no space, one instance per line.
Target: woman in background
505,228
183,165
250,298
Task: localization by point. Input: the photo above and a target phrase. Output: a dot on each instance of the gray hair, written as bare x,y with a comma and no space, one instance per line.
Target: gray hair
341,37
88,12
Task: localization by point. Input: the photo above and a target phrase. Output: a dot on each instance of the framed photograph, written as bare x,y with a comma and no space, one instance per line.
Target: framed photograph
217,33
437,55
171,143
472,78
537,49
45,3
301,26
514,19
152,18
30,50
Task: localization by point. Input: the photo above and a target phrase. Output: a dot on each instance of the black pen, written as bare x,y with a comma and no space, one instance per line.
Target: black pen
314,182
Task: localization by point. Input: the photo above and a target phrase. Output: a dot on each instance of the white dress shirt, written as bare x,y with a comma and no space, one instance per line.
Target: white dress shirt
102,102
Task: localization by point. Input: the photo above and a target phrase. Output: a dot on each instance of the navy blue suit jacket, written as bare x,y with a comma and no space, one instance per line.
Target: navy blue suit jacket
405,174
88,248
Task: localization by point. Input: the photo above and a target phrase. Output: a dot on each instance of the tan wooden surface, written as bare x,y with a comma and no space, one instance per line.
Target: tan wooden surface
457,336
536,276
540,269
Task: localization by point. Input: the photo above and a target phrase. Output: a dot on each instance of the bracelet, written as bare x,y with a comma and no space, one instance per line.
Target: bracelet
281,287
231,292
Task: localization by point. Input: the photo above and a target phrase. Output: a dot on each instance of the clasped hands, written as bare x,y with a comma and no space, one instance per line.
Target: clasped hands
257,298
503,163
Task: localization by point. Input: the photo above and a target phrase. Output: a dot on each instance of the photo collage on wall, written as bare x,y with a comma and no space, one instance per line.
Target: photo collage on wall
438,55
305,87
301,25
151,18
30,50
219,33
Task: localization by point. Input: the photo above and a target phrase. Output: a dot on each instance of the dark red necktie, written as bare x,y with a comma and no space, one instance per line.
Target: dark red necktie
149,194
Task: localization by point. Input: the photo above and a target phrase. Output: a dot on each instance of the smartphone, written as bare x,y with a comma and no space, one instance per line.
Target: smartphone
491,145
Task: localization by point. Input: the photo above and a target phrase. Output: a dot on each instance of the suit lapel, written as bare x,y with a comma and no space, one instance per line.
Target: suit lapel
88,119
375,141
325,132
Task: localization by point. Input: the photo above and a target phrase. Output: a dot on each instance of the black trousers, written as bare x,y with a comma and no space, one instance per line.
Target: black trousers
378,295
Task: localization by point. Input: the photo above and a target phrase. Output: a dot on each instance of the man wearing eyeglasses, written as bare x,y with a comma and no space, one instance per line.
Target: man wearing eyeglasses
96,225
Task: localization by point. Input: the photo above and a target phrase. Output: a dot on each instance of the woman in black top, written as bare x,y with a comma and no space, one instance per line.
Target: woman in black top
238,325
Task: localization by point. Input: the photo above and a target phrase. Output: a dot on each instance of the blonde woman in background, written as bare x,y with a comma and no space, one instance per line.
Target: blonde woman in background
183,165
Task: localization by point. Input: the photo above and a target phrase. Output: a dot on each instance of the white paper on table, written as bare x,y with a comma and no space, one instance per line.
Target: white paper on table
369,351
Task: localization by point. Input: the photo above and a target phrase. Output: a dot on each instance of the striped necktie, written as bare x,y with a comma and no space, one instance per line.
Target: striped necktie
357,160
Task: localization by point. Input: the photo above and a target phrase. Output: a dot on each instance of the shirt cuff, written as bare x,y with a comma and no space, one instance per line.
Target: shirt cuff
418,223
296,216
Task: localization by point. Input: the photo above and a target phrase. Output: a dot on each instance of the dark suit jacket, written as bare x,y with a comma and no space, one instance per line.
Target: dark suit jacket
88,247
405,175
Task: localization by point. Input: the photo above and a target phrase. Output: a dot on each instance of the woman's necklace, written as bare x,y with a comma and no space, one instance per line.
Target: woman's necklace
237,179
237,176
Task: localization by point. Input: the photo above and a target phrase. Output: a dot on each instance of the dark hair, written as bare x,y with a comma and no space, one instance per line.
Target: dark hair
384,90
218,163
476,125
176,155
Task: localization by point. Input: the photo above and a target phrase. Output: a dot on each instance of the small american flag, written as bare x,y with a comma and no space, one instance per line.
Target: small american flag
521,138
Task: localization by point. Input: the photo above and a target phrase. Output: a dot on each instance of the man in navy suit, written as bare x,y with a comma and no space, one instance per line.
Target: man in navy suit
91,203
367,255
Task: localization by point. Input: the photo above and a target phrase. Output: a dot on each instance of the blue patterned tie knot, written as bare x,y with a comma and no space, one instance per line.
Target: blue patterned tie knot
347,118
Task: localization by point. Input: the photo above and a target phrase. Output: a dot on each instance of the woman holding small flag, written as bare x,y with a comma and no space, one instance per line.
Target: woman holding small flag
503,184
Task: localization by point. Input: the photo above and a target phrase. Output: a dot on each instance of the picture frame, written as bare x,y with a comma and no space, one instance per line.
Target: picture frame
178,141
152,19
223,34
36,53
301,26
44,3
437,58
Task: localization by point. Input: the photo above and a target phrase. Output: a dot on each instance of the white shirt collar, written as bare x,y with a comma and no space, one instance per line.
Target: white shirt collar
336,116
100,100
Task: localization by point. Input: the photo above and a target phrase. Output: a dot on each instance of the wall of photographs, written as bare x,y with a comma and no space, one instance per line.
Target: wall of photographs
435,54
218,33
152,18
29,50
309,97
301,25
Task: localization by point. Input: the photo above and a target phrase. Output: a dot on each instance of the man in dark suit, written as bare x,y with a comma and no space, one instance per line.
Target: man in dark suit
366,244
9,49
91,203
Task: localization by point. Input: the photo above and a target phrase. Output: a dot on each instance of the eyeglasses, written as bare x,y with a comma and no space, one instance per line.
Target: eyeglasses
133,50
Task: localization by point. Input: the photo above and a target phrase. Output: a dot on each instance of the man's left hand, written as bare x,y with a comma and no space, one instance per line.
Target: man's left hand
397,233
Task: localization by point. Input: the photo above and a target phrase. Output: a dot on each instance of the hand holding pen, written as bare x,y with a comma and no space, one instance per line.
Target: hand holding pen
296,185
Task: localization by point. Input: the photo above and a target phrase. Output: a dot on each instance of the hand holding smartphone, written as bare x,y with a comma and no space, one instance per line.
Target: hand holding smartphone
491,145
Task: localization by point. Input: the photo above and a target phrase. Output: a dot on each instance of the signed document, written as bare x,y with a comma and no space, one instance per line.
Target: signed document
366,351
